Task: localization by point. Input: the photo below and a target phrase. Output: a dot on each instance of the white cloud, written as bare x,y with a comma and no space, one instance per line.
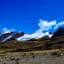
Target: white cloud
6,30
45,26
60,24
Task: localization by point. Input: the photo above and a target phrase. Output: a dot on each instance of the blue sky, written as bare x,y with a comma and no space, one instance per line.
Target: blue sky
24,15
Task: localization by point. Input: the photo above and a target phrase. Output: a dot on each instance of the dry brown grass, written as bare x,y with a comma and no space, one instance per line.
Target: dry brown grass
9,54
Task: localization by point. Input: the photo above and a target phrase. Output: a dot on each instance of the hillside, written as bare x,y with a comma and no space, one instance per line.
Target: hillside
44,43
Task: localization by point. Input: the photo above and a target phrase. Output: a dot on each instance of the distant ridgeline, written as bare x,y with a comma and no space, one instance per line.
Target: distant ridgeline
14,35
10,36
57,40
58,33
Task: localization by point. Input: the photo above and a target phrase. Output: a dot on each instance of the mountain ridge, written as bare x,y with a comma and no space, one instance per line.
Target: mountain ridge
15,35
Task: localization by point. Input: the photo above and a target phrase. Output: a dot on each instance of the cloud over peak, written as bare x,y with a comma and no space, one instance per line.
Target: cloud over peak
6,30
44,28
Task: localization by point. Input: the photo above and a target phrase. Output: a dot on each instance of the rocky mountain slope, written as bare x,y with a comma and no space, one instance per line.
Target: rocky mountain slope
10,36
8,42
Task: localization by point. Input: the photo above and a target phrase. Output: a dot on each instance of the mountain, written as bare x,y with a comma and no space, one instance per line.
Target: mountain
57,40
40,39
58,33
33,44
15,35
10,36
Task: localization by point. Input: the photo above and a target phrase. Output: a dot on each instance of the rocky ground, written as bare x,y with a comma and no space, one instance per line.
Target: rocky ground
34,59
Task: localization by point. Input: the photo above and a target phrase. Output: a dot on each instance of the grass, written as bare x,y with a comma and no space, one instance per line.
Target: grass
9,54
13,45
